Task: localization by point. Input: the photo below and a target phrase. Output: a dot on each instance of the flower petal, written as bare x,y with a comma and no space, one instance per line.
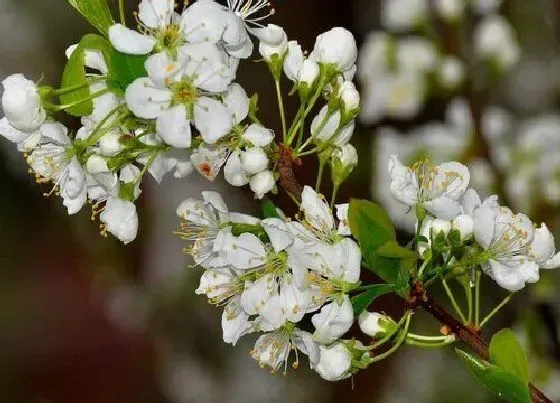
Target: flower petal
174,127
131,42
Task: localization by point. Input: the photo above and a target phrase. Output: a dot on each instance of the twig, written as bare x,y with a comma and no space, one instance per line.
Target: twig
419,299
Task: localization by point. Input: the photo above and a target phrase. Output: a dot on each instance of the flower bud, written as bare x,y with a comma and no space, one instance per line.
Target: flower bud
350,97
374,324
336,47
254,160
343,161
309,72
464,224
334,363
258,135
262,183
440,226
273,45
110,145
96,164
21,103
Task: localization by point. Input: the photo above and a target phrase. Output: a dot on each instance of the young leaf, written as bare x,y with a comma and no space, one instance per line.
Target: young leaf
370,225
74,75
96,12
124,69
507,353
498,381
361,301
269,209
393,264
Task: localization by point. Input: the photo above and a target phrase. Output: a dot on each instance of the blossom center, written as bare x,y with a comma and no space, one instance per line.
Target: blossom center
184,92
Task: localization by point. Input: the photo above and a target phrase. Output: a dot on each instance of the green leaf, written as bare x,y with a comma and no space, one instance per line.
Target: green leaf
96,12
124,69
361,301
393,263
501,383
370,225
269,209
507,353
74,75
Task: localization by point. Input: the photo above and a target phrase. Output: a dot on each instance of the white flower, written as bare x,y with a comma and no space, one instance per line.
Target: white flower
438,188
486,6
451,72
333,321
405,96
272,41
401,15
450,10
494,38
54,160
262,183
206,224
237,102
298,68
156,20
235,322
326,128
24,141
209,160
254,160
416,55
349,97
463,223
109,144
120,219
506,239
258,135
543,249
209,21
178,91
273,349
128,41
233,170
431,228
338,48
250,11
372,324
335,362
97,167
21,103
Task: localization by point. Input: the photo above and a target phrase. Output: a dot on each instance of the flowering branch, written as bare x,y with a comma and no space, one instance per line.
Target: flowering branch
420,299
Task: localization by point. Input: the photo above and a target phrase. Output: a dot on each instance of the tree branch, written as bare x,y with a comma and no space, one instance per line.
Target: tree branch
287,179
420,299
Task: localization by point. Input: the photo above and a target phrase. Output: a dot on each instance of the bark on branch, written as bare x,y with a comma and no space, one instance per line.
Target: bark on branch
420,299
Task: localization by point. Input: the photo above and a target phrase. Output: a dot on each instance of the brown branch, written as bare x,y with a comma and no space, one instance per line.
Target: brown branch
287,180
420,299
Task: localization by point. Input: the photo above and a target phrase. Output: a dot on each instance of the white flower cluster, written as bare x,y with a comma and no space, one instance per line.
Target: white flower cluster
270,274
511,247
163,98
399,69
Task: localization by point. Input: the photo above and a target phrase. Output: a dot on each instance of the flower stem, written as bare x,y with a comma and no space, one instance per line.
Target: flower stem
456,306
496,309
320,174
398,343
477,298
121,12
428,345
282,110
333,195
